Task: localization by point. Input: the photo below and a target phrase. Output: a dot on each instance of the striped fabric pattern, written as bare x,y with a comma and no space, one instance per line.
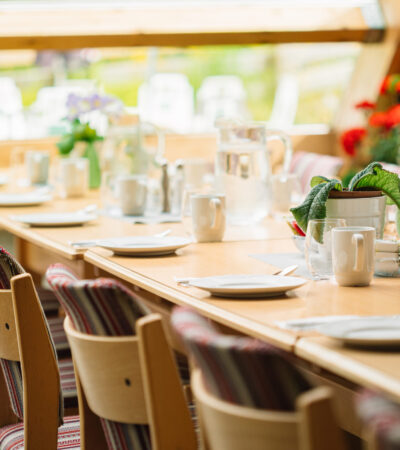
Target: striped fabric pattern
12,436
237,369
9,267
102,307
56,327
382,416
307,165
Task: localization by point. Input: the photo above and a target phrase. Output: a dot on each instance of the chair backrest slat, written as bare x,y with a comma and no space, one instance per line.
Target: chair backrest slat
8,333
233,427
110,374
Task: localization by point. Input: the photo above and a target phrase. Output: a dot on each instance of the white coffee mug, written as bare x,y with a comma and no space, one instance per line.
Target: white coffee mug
353,255
37,166
73,177
132,194
208,217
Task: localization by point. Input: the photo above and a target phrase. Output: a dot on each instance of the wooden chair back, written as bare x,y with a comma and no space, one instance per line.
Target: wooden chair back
131,379
24,338
226,426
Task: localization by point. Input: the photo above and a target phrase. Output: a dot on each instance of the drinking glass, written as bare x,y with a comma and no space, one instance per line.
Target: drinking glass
318,246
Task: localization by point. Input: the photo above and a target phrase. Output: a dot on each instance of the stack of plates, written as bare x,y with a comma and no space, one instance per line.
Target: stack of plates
387,258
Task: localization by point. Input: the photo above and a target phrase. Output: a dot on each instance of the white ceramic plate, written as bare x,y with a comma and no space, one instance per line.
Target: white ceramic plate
250,286
54,219
31,199
369,332
144,245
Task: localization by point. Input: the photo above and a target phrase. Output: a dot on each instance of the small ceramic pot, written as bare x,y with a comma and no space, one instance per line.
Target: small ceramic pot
358,208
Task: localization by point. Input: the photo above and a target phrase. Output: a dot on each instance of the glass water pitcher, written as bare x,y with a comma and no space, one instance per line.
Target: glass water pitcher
243,170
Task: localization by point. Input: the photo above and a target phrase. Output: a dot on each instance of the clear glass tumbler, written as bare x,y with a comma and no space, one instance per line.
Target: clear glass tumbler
318,247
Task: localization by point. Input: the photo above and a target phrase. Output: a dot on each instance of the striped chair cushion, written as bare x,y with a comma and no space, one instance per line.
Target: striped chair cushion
49,301
56,327
12,436
382,416
307,165
102,307
10,267
237,369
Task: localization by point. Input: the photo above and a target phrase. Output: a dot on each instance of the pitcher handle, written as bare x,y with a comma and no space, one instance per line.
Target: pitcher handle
217,206
287,142
159,156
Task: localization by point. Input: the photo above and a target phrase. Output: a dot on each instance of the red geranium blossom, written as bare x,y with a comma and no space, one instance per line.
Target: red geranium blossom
365,105
379,119
351,138
393,116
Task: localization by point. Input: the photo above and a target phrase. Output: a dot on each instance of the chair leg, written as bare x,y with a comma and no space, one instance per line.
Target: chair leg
318,426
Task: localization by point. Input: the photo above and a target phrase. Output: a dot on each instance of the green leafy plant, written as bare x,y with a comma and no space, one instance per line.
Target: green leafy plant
372,178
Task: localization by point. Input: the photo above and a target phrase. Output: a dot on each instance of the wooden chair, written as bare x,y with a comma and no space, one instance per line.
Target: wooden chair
255,397
226,426
130,380
10,267
31,403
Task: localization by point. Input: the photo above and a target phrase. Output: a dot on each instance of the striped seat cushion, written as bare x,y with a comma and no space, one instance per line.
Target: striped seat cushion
381,415
12,436
10,267
237,369
48,300
102,307
67,378
56,327
307,165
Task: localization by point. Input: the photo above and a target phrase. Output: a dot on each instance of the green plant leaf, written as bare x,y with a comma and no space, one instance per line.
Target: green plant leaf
314,206
362,173
318,180
375,177
66,144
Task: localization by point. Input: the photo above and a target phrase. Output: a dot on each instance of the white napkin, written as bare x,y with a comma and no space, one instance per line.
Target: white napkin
312,323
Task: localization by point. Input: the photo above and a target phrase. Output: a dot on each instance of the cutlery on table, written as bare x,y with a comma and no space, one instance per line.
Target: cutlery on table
185,281
94,242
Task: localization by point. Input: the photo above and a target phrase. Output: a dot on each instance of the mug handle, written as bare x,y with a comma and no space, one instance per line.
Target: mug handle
358,240
287,143
216,204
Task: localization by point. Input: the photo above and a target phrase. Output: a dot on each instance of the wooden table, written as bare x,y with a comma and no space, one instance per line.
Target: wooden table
155,276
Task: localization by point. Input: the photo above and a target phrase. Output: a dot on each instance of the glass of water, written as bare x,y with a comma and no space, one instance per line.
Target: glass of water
318,247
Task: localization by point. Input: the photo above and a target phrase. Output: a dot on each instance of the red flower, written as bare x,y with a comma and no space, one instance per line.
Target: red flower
397,87
351,138
393,117
366,105
385,85
379,119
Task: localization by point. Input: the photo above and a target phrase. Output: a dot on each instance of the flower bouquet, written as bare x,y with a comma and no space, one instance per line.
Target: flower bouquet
83,132
379,140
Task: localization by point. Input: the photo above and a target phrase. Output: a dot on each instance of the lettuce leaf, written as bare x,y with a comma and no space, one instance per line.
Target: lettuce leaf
374,176
314,206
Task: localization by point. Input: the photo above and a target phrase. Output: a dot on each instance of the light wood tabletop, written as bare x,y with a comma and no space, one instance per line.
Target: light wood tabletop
57,239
